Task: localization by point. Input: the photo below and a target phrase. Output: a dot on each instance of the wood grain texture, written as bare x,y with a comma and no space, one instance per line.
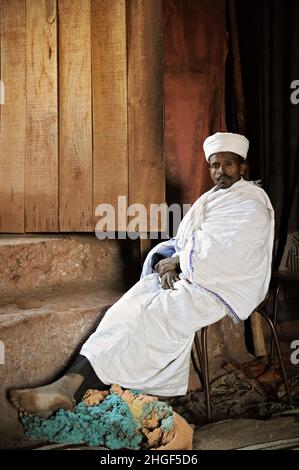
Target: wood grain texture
257,334
145,99
12,123
75,131
41,210
109,88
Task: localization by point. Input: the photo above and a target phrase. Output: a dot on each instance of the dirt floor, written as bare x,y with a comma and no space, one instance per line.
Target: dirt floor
281,432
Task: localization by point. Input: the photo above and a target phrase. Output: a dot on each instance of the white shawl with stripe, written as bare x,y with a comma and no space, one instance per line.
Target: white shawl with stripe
225,245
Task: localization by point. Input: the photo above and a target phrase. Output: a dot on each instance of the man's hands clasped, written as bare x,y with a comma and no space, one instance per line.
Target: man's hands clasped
168,270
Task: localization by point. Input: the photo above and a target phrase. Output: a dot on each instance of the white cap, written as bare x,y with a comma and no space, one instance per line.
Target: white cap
226,142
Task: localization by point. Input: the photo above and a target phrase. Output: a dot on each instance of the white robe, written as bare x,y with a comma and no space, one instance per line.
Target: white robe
225,246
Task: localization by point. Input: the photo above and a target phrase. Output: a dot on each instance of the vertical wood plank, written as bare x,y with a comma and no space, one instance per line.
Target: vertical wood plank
145,97
41,211
12,124
109,87
75,132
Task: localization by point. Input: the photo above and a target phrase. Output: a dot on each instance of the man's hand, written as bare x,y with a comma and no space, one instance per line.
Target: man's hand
168,279
168,270
167,264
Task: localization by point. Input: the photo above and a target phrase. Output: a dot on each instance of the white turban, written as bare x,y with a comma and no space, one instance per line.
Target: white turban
226,142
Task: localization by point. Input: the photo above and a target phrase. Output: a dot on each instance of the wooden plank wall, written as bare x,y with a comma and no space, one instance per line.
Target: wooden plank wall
145,111
75,134
82,121
12,124
109,88
41,176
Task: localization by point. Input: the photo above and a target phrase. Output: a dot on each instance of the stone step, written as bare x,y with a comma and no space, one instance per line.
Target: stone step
33,262
39,333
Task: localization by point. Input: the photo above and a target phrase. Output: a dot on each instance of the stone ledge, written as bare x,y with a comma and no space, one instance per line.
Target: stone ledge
37,262
39,342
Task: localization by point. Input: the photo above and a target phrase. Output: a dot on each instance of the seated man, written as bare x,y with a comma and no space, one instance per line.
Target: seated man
218,264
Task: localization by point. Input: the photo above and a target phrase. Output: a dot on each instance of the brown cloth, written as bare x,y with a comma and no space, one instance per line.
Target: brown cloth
195,50
183,435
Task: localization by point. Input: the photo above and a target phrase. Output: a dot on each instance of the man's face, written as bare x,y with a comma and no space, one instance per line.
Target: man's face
225,169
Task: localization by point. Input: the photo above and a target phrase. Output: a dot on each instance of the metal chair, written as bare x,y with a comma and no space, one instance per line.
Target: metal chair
288,274
202,369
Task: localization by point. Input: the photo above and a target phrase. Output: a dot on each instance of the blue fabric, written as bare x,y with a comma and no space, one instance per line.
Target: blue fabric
109,424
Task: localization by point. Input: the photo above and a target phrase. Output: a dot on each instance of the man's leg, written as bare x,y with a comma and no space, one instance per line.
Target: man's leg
83,367
43,401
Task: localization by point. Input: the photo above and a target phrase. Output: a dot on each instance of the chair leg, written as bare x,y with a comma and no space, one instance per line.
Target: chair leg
281,362
196,368
207,390
199,352
274,320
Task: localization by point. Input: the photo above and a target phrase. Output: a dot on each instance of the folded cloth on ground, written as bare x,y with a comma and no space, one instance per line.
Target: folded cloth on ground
116,419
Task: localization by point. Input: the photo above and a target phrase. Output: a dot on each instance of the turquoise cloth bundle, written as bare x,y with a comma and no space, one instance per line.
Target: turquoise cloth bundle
110,423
